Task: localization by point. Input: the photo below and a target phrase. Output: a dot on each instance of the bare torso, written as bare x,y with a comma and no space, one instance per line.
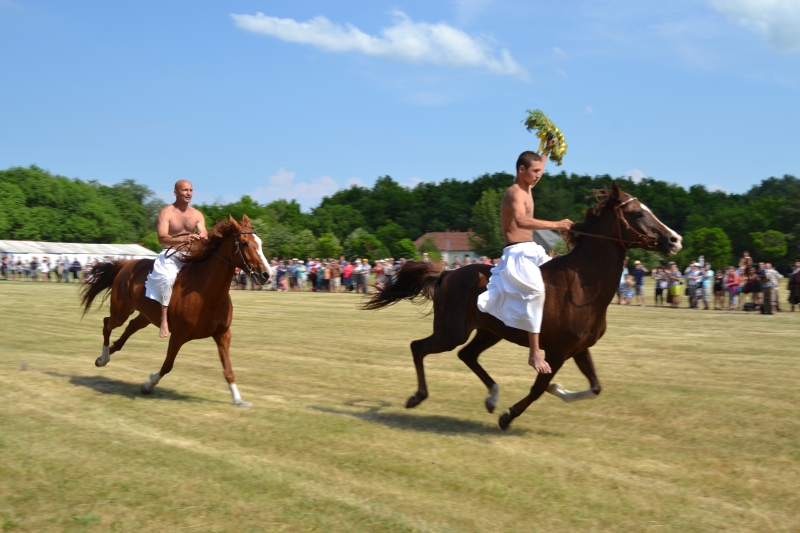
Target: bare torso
174,224
514,196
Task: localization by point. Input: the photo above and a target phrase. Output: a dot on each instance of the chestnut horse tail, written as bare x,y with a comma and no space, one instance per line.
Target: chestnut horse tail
414,281
99,280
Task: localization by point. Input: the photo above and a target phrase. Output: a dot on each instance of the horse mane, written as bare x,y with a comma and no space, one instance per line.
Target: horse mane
590,216
200,251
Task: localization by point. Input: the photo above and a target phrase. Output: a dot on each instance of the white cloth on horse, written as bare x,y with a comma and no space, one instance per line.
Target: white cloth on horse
515,293
160,281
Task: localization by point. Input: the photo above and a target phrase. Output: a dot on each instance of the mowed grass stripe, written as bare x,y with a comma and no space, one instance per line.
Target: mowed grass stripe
695,430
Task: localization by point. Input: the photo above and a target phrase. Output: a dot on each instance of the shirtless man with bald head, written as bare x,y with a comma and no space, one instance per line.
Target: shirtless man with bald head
178,223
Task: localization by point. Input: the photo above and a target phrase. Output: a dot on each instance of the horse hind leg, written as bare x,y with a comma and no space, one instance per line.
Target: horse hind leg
134,325
419,349
469,355
585,365
172,351
109,323
539,387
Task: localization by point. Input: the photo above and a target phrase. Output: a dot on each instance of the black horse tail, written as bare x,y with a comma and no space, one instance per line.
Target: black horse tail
415,281
99,280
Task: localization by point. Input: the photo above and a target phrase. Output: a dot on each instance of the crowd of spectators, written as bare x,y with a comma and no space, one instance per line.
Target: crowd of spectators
58,269
750,286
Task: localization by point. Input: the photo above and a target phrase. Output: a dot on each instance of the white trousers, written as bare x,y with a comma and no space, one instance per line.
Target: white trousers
160,281
515,293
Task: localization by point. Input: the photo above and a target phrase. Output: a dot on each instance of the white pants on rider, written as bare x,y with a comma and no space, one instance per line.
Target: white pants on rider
160,281
515,293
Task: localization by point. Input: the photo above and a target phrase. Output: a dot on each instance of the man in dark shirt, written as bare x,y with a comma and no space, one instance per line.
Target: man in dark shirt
638,273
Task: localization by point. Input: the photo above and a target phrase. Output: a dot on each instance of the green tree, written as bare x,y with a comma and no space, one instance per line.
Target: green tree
404,248
366,245
277,242
429,246
150,241
487,237
390,235
771,244
328,246
712,243
304,245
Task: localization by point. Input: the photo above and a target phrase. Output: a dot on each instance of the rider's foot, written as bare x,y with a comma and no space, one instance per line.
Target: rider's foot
163,330
537,362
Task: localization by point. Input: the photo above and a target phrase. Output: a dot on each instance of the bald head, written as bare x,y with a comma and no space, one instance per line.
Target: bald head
183,192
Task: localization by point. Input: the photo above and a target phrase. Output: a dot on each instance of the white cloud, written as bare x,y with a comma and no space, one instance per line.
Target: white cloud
714,188
635,175
558,53
282,185
778,20
406,41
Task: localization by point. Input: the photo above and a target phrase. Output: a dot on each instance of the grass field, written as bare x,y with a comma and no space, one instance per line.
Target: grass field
696,430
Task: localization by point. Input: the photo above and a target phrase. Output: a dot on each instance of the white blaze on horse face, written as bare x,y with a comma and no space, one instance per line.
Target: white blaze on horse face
261,254
674,235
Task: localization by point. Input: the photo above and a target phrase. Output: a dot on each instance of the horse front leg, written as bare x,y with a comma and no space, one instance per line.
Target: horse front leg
585,365
538,388
223,340
175,344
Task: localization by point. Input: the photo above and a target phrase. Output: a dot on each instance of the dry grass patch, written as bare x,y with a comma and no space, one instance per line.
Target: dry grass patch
696,429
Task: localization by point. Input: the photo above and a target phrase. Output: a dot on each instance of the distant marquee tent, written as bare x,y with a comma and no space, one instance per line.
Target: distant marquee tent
83,252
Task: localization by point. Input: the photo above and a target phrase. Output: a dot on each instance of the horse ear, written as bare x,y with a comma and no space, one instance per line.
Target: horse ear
235,224
616,192
246,222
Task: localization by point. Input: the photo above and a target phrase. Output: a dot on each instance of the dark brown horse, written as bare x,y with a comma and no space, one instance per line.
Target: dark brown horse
200,306
579,287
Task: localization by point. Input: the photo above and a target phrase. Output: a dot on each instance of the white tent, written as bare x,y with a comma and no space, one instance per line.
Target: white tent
84,253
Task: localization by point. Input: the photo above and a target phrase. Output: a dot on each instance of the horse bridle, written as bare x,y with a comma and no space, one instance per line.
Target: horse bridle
237,247
641,238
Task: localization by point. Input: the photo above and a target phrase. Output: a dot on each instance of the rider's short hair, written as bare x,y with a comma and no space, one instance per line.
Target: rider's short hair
526,158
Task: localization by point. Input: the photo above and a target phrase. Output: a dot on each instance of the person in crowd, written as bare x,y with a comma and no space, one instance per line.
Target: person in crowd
425,258
365,275
661,281
65,266
456,263
292,274
621,287
675,282
719,290
765,284
75,269
732,286
707,283
312,271
302,273
347,276
44,268
630,290
775,278
281,274
694,278
34,269
467,260
336,276
324,276
638,274
4,268
794,286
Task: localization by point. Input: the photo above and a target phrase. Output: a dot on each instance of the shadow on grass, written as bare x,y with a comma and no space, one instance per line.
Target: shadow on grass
125,389
443,425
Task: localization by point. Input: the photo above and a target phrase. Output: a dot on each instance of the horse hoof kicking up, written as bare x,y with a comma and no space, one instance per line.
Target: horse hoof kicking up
242,403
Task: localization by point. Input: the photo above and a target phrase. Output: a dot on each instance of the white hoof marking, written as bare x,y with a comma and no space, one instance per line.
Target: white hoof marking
569,396
491,400
104,358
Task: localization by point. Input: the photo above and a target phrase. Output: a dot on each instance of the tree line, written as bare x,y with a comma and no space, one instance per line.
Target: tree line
385,219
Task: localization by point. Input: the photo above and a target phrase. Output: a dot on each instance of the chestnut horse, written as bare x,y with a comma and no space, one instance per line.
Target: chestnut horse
579,287
200,305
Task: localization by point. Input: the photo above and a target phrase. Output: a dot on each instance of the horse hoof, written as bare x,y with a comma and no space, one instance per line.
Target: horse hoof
414,401
505,420
242,403
100,362
490,404
145,390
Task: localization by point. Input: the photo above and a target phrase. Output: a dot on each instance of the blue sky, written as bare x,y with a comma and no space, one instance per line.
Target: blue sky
297,99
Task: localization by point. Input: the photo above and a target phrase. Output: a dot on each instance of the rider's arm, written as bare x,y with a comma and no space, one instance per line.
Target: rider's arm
201,226
527,222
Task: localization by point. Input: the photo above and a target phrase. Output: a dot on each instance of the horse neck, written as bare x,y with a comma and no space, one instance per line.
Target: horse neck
600,261
216,273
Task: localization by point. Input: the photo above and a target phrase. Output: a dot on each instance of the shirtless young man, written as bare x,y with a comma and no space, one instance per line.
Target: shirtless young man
515,293
173,221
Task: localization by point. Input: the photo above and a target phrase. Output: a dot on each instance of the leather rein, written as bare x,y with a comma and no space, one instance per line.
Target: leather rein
641,238
238,245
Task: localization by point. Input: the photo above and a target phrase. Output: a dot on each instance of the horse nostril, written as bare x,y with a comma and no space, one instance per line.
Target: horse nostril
673,239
